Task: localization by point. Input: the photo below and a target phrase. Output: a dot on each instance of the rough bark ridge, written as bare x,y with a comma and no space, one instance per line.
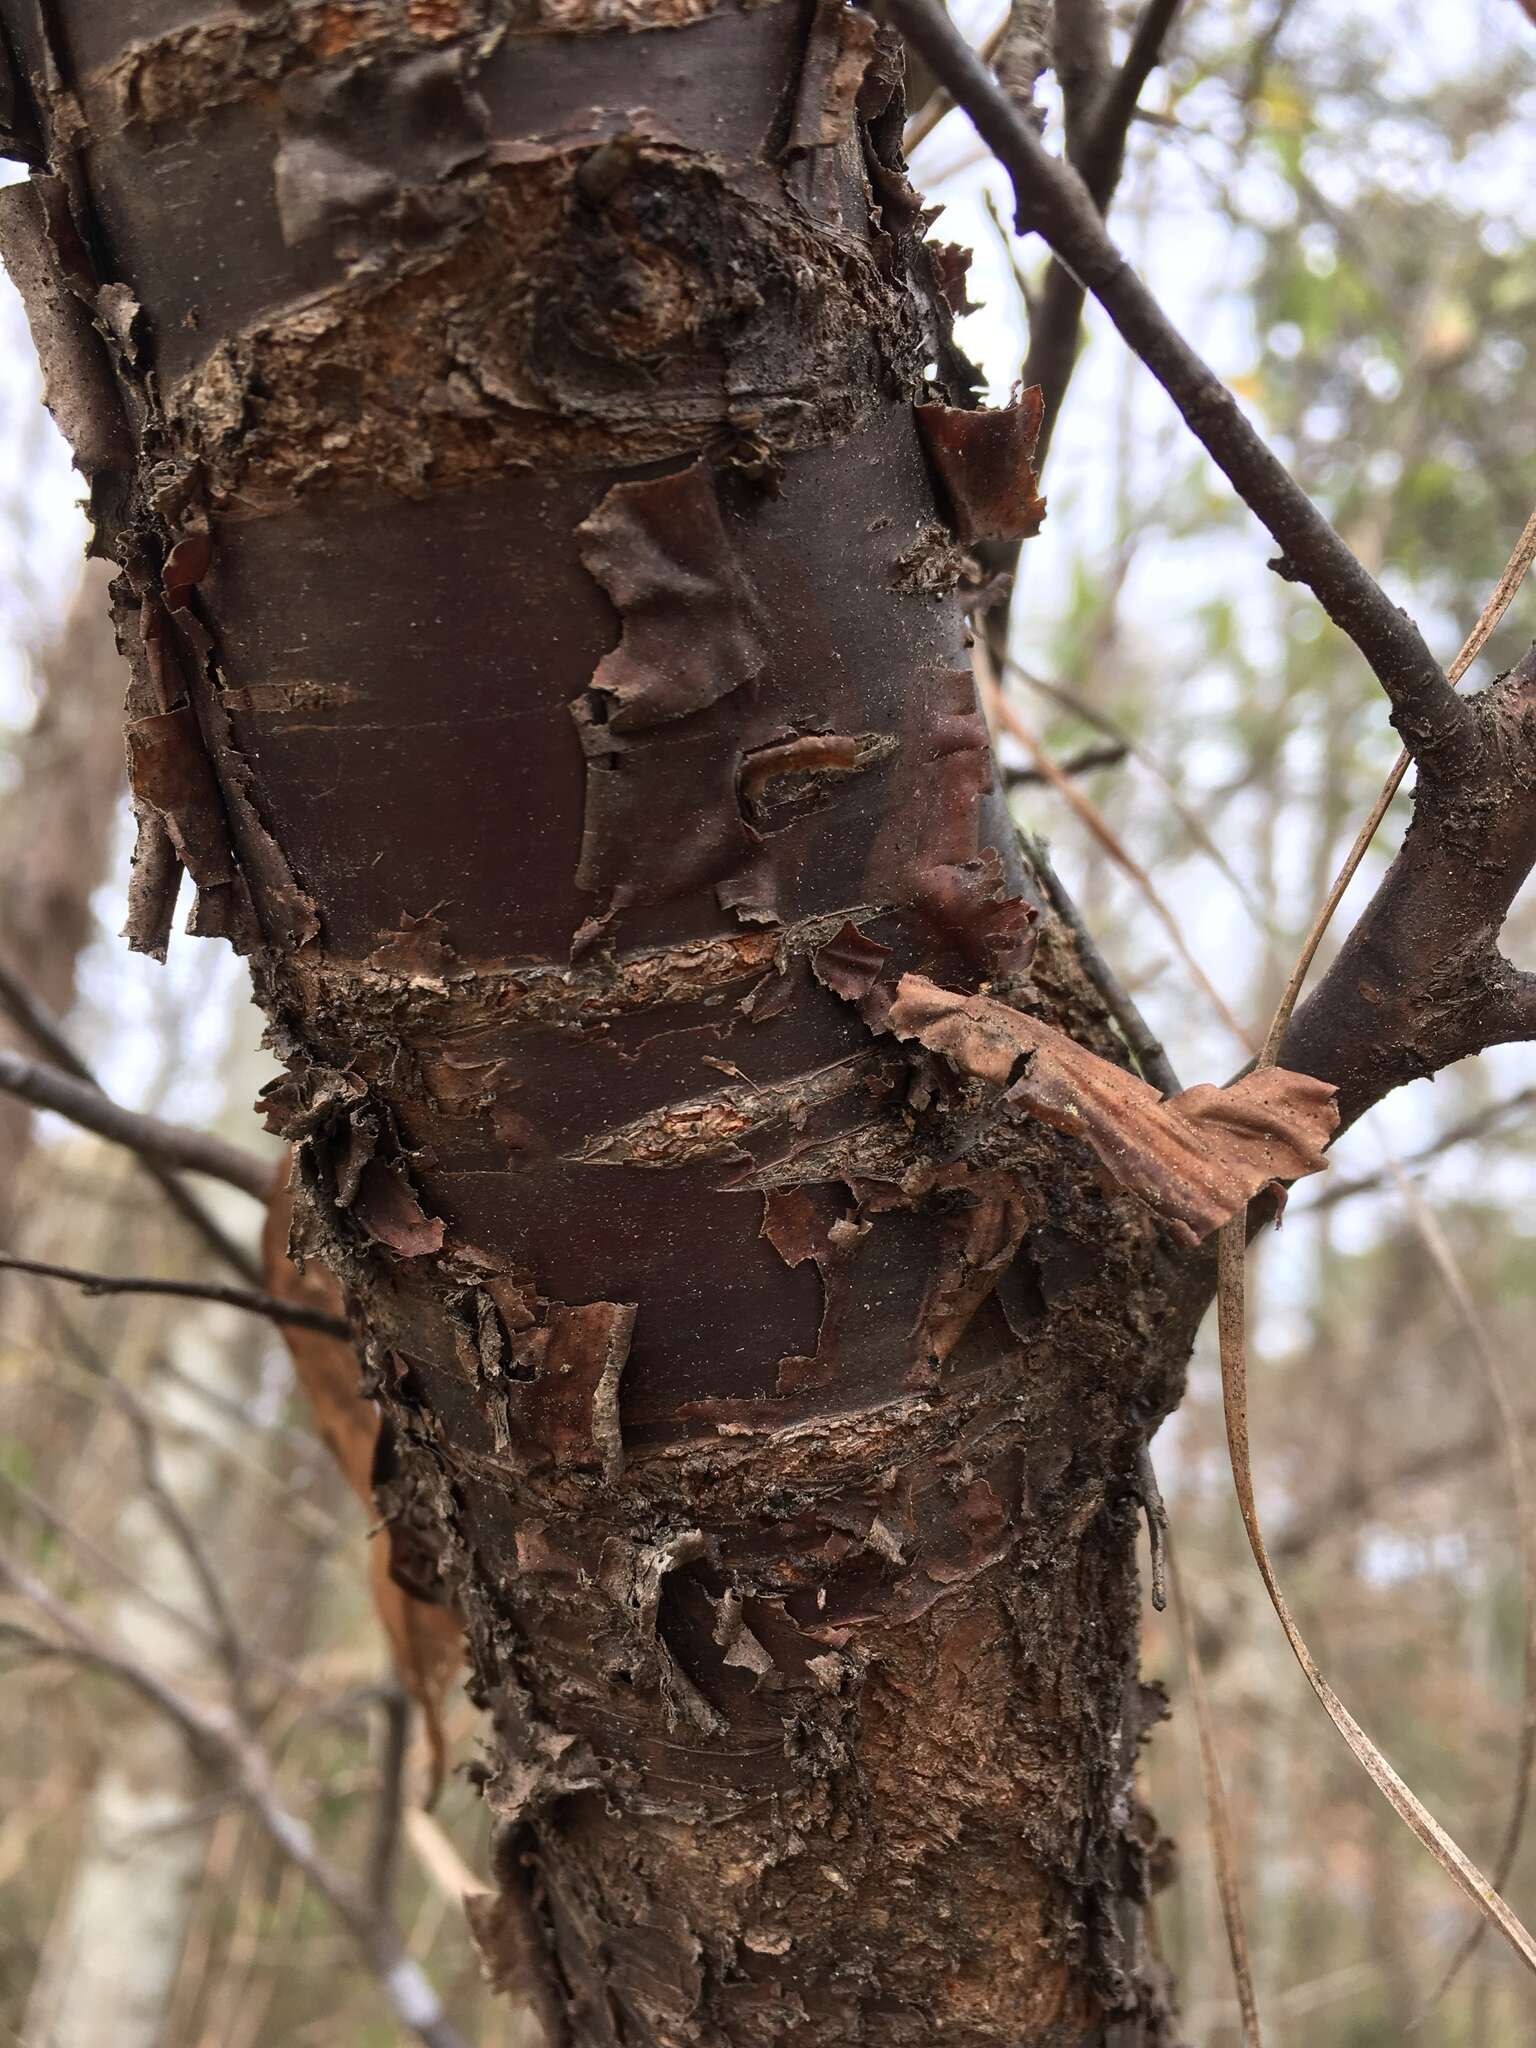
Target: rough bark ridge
538,468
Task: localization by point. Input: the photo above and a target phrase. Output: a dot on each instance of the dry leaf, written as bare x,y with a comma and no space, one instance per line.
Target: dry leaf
1195,1158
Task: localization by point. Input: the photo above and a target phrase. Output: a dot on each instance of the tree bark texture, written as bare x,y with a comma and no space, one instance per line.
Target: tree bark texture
539,473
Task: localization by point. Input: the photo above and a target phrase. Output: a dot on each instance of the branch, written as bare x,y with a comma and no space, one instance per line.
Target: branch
1108,754
1082,70
1419,982
114,1567
227,1640
1477,1125
223,1745
1515,571
1218,1814
938,103
389,1807
1146,1047
30,1017
247,1298
1101,172
172,1144
1055,323
1000,711
1054,202
1352,1500
1188,816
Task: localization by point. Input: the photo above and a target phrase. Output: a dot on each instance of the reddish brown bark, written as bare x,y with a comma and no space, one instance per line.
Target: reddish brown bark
538,579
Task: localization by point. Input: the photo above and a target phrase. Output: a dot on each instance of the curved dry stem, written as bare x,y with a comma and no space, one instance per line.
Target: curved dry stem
1405,1803
1217,1813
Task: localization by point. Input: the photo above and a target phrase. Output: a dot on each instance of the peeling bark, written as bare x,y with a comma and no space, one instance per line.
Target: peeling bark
544,480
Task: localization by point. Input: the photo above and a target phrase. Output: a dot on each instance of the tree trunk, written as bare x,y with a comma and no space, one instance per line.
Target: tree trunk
539,580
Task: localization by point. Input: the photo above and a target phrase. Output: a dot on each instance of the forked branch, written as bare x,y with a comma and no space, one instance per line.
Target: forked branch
1052,201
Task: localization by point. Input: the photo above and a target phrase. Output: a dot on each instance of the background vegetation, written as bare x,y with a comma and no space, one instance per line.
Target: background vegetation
1339,205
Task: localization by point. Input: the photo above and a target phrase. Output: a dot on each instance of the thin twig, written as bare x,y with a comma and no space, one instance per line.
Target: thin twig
1231,1331
1155,1508
1108,754
1217,1812
223,1744
29,1016
440,1860
1119,106
923,123
248,1298
227,1638
1478,1125
1230,1323
1053,201
1427,1226
389,1806
101,1560
1145,1046
1002,712
1055,310
1351,1500
172,1144
1090,714
1494,610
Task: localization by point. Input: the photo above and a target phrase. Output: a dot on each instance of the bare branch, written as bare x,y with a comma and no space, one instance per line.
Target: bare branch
247,1298
939,103
172,1144
226,1635
1218,1814
1146,1047
1419,982
1446,1264
1515,571
224,1746
1478,1125
1155,1509
1189,817
1108,754
389,1809
1053,201
1232,1335
1082,69
1353,1498
29,1016
1000,710
1056,319
42,1510
1101,173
